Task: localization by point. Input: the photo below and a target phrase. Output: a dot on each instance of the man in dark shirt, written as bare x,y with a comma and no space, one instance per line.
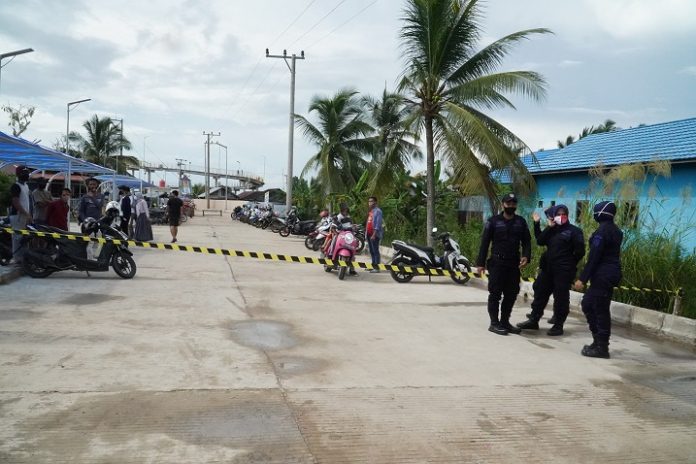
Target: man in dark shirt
125,208
603,271
174,205
90,203
57,211
507,232
565,247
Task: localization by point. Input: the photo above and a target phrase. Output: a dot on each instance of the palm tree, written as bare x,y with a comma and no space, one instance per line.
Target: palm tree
341,138
104,139
393,148
448,84
607,126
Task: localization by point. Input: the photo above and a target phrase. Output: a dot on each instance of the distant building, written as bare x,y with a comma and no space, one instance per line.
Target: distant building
565,175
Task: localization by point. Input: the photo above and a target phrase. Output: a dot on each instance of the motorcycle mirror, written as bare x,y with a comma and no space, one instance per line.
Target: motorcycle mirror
434,229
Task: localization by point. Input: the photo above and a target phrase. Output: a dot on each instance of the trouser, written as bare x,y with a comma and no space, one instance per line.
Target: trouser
503,280
595,304
373,246
124,224
554,282
17,222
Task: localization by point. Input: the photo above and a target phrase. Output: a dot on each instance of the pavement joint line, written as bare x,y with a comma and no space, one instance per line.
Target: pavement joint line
265,256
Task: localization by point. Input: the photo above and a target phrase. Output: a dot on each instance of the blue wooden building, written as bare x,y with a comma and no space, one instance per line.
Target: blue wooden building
660,201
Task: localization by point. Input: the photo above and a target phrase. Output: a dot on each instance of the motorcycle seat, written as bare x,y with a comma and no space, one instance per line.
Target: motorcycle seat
427,249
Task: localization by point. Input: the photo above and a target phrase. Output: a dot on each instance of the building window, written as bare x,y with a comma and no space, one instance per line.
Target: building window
628,214
553,202
581,208
540,204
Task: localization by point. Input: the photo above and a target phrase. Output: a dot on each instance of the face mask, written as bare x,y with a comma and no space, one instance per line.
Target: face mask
510,210
561,219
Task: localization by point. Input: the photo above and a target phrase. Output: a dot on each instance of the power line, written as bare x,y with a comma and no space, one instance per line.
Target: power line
344,23
319,22
292,23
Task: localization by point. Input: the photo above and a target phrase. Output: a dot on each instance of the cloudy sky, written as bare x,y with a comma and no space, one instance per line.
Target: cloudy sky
175,68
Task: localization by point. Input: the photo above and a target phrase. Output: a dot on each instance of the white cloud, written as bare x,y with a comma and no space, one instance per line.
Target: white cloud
644,20
569,63
689,70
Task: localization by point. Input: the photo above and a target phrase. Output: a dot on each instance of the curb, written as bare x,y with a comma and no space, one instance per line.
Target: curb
9,274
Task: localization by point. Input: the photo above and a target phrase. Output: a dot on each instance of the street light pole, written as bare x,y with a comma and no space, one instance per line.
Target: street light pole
67,182
207,166
114,195
142,162
12,55
225,147
291,67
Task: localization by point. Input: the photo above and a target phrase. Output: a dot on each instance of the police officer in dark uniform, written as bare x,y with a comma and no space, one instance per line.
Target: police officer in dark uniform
507,231
603,271
565,247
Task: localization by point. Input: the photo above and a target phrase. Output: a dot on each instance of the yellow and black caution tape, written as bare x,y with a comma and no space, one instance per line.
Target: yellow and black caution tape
423,271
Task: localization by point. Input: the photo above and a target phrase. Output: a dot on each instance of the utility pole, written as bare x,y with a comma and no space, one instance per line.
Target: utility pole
291,67
207,166
114,195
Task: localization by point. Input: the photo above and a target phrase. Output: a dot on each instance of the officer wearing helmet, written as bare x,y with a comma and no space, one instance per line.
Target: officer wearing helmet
565,247
507,232
603,271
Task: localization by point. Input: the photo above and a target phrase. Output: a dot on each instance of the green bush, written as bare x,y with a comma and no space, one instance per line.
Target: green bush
5,184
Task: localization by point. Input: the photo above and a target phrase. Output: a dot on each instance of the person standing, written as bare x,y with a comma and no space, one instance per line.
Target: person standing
143,228
507,232
125,208
91,202
374,230
565,247
20,210
41,198
57,211
603,271
174,205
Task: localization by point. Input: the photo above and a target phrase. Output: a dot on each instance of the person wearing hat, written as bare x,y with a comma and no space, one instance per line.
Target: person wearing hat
565,247
20,209
507,232
603,271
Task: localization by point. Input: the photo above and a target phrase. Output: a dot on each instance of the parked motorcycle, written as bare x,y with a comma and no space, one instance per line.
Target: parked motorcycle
5,242
342,249
297,227
408,254
61,254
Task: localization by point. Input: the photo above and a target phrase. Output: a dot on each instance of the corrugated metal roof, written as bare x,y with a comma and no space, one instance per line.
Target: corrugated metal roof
673,141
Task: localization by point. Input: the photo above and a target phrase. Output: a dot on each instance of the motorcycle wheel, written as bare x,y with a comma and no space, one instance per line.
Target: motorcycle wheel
361,246
123,265
34,269
183,219
461,265
318,243
342,270
309,243
402,277
284,232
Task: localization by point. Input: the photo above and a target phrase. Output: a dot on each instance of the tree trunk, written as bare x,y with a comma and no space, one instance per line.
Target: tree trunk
430,180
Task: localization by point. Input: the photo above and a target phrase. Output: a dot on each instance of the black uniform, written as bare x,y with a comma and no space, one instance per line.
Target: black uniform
603,271
503,265
565,248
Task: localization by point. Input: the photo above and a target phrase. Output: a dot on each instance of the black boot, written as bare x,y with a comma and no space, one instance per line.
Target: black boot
497,328
510,328
529,324
552,320
587,347
555,331
599,350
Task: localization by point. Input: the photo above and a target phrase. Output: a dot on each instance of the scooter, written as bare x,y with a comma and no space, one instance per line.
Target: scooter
61,254
342,249
412,255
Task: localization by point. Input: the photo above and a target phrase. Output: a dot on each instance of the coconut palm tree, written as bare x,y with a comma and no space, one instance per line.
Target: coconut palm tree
449,84
606,126
393,147
104,139
340,136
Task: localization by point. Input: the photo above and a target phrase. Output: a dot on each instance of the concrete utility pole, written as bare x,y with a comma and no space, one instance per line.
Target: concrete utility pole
291,67
207,166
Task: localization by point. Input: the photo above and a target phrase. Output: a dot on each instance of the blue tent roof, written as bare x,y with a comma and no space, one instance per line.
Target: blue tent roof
18,151
672,141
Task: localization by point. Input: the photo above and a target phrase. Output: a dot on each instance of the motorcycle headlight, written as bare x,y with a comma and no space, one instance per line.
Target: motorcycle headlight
348,238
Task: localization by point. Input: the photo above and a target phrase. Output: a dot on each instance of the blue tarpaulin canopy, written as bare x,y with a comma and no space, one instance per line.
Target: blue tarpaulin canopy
18,151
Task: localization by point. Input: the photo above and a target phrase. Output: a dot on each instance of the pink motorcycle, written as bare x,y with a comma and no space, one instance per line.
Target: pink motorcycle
342,249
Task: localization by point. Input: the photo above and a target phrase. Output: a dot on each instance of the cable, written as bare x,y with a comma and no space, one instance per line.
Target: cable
293,22
248,96
343,23
319,22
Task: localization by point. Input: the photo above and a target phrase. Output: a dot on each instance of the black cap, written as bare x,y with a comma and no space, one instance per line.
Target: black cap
509,197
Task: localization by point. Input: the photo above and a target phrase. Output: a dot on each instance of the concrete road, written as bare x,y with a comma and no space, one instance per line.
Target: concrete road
204,358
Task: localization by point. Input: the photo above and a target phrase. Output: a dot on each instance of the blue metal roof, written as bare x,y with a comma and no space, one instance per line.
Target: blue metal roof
128,181
18,151
672,141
